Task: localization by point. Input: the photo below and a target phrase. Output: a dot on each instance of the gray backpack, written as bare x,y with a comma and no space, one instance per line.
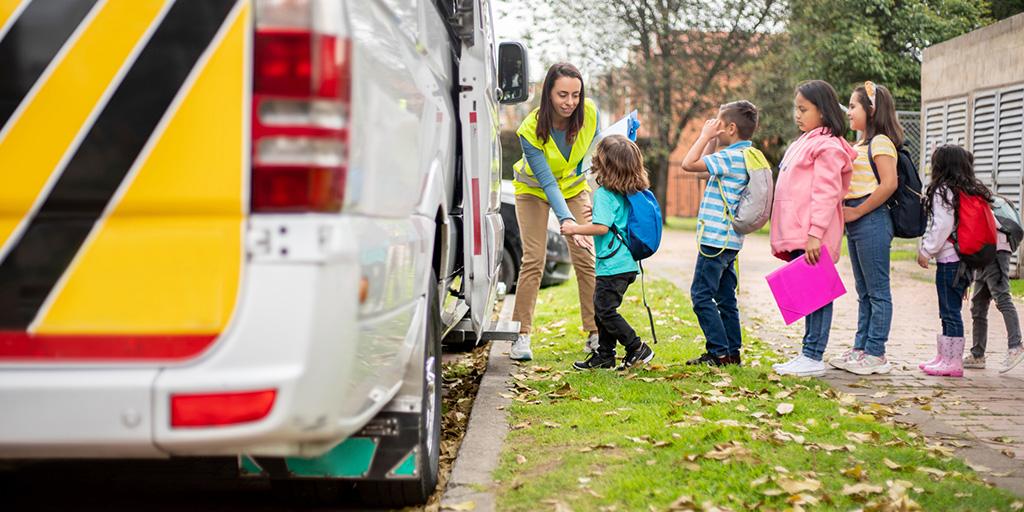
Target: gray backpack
755,206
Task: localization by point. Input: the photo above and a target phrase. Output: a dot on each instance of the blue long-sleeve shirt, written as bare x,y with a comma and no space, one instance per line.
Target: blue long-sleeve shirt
542,170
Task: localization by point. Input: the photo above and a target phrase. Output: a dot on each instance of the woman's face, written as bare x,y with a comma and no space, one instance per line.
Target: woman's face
806,115
856,114
565,95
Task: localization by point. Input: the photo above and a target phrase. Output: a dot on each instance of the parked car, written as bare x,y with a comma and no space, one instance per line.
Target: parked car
558,261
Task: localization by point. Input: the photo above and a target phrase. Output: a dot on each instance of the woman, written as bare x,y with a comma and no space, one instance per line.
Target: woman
869,229
554,137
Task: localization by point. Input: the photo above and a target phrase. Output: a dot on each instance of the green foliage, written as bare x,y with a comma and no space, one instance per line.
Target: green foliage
846,42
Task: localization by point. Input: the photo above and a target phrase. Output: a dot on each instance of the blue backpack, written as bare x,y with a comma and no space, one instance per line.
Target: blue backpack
643,226
642,237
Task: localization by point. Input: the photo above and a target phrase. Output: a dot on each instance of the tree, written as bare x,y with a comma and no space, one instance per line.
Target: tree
846,42
674,58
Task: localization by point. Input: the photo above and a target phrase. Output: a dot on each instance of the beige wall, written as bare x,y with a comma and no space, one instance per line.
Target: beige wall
983,59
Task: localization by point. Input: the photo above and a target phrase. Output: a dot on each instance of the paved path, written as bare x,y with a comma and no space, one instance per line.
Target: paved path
980,415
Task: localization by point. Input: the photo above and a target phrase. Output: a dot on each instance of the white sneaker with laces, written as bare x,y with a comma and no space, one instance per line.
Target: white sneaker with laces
591,344
868,364
1013,357
803,367
846,358
778,366
521,349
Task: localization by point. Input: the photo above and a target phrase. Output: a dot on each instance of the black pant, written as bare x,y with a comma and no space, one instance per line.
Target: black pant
611,327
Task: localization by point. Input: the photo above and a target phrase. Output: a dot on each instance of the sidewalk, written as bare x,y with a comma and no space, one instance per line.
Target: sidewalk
981,416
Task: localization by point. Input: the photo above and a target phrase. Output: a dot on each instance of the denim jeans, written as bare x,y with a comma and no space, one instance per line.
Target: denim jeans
713,293
611,326
951,298
869,239
993,282
816,326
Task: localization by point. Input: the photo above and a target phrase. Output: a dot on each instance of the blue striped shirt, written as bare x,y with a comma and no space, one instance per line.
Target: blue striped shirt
729,168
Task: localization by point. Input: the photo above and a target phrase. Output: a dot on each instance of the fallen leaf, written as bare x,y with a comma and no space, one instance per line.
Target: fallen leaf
856,472
460,507
520,459
862,489
784,408
892,465
798,486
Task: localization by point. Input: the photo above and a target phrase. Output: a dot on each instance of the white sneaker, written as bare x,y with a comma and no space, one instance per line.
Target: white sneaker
1013,357
846,358
803,367
521,349
591,344
868,364
779,366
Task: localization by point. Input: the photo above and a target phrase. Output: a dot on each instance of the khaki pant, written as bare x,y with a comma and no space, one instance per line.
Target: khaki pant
532,213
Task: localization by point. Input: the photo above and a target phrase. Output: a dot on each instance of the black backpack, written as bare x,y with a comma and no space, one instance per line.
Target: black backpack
905,205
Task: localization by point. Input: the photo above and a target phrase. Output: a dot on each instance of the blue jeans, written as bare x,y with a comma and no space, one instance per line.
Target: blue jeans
816,326
869,239
713,293
950,287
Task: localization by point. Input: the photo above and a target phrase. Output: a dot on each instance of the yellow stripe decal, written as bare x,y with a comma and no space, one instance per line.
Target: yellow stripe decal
7,8
38,140
168,258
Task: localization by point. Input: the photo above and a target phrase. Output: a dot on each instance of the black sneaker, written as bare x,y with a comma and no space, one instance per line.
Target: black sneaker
733,359
642,355
708,359
595,360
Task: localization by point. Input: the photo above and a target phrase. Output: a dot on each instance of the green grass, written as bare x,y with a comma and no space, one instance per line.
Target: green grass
1017,287
602,440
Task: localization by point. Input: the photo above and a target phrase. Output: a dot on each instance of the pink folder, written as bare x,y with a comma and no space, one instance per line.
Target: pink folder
801,289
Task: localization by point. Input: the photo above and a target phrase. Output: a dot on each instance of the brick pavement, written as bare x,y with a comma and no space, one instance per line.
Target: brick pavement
981,415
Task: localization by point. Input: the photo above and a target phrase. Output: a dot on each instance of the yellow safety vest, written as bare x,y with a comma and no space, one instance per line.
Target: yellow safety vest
564,170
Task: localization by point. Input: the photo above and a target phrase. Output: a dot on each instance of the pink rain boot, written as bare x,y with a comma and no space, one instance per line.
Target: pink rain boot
952,364
938,353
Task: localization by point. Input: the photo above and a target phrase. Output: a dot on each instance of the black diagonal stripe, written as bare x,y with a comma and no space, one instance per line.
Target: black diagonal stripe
31,44
56,233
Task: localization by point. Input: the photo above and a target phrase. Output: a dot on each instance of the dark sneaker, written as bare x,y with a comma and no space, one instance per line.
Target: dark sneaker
710,360
642,355
733,359
595,361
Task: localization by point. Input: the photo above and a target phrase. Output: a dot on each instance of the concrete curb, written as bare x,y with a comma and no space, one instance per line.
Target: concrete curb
471,479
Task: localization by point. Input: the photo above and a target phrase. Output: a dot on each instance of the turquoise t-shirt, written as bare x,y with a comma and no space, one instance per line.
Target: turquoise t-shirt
611,209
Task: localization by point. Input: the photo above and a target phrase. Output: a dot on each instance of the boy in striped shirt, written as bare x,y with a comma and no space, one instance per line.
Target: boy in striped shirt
713,291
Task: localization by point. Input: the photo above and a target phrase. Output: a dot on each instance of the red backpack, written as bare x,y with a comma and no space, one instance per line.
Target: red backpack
974,235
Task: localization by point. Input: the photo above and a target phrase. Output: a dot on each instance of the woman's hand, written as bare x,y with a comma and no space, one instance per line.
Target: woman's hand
569,227
813,250
922,260
851,214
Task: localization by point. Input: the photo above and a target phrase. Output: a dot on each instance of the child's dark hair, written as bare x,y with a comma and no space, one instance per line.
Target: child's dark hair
744,114
953,169
882,118
824,97
619,165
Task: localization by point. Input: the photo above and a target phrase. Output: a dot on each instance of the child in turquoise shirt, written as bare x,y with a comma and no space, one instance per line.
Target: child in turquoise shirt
619,167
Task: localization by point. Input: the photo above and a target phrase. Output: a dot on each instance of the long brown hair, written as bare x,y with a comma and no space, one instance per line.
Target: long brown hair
546,116
619,165
882,118
953,170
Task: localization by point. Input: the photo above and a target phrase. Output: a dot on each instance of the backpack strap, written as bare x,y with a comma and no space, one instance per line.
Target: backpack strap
622,243
643,293
726,215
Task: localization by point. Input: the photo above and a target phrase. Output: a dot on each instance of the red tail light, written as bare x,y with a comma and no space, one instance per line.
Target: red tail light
214,409
301,101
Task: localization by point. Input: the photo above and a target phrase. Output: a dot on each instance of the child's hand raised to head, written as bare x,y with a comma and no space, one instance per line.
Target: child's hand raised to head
712,129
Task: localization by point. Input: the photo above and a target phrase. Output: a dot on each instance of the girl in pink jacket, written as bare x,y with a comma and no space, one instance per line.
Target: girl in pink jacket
814,177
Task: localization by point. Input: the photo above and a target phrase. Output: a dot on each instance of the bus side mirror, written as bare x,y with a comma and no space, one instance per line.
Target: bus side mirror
513,73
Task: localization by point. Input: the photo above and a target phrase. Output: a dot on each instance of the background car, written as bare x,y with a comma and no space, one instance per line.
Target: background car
556,265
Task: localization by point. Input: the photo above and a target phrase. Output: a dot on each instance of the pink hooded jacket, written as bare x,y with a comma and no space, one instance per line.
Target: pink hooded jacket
814,177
